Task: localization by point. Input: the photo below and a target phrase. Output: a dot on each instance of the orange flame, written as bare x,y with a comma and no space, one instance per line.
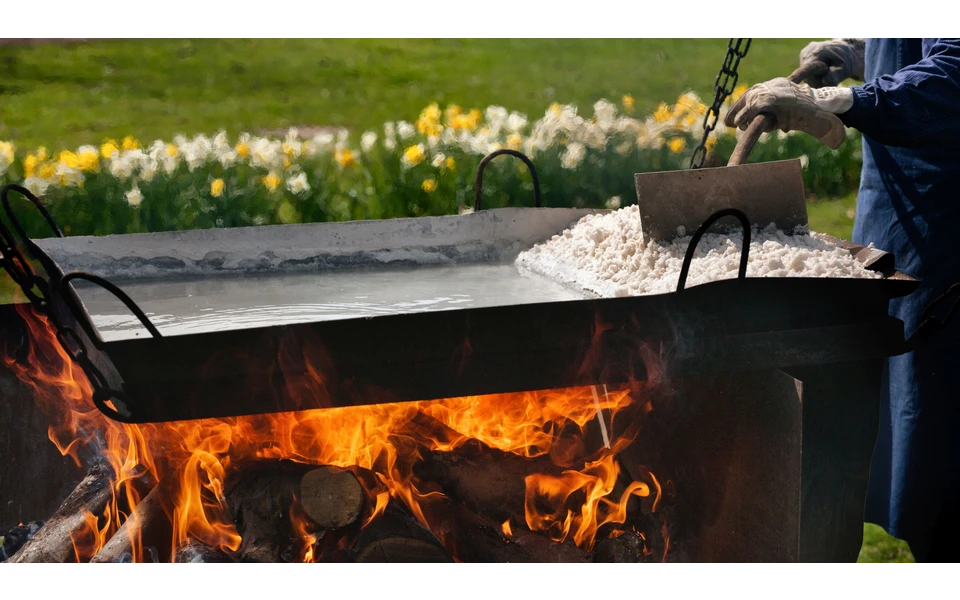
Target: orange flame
196,455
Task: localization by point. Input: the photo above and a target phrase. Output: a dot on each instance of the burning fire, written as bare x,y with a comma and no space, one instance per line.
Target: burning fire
378,442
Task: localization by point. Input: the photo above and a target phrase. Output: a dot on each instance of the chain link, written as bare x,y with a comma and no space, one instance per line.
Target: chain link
38,292
723,86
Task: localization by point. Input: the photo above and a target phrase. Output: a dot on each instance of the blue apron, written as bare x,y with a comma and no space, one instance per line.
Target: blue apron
909,204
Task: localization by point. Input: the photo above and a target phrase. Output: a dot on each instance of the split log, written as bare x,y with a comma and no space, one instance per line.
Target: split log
53,543
261,494
489,482
397,536
542,549
480,542
148,526
196,552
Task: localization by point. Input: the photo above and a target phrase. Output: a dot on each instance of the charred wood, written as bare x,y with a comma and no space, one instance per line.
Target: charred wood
479,540
545,552
397,536
17,537
626,548
260,496
489,482
147,527
53,543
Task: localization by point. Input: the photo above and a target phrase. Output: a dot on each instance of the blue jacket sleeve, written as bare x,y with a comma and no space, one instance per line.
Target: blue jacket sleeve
916,107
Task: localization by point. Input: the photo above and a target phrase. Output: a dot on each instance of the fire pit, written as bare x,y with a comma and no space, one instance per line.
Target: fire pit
732,421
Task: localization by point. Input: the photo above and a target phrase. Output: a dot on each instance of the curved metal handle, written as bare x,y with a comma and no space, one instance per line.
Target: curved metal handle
760,123
17,266
36,202
84,319
692,247
478,185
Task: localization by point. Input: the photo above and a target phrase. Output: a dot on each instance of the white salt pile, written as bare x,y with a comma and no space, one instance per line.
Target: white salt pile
607,255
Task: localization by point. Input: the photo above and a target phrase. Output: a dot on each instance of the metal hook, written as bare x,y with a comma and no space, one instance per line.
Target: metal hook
692,247
478,186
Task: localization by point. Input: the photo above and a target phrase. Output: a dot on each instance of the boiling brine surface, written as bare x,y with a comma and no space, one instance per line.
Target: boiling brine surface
197,305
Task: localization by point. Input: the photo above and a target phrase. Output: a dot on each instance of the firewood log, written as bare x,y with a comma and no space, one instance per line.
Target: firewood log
331,497
397,536
260,494
53,543
474,538
14,539
148,524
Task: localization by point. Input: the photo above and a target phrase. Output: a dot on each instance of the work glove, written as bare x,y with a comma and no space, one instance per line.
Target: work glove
794,107
844,57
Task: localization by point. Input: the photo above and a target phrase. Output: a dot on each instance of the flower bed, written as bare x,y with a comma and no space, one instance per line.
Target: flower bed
426,167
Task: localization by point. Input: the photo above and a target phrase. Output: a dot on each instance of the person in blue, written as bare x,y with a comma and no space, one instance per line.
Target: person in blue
908,110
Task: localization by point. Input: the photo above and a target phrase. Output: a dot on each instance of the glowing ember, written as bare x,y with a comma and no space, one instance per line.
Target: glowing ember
378,442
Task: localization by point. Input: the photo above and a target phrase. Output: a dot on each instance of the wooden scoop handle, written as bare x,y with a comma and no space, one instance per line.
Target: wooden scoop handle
763,120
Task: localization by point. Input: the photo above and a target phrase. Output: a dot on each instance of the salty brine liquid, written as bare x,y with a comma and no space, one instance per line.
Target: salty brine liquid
227,302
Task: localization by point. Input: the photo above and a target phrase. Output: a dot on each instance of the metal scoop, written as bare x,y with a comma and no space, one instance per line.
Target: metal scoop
675,203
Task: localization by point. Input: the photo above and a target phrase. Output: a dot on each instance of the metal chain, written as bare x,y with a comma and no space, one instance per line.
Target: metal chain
38,292
724,85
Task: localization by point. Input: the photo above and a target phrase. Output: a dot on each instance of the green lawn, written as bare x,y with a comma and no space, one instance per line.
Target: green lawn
833,216
67,95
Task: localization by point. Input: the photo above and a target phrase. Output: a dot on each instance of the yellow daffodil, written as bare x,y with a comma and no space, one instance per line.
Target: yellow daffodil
450,113
216,188
677,145
413,155
29,165
711,143
46,170
172,150
514,140
88,158
663,113
109,148
429,185
243,150
628,103
42,153
450,163
555,109
271,181
345,158
69,159
130,143
429,122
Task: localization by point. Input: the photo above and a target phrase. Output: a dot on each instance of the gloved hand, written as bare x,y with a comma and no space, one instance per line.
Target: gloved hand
844,56
795,107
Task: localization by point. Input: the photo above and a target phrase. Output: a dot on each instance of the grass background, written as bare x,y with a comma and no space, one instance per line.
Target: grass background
65,95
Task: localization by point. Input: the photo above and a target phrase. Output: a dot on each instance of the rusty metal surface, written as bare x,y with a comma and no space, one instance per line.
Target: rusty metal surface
727,451
769,192
841,420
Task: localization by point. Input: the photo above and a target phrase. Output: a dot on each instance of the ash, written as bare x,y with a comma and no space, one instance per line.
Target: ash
607,255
